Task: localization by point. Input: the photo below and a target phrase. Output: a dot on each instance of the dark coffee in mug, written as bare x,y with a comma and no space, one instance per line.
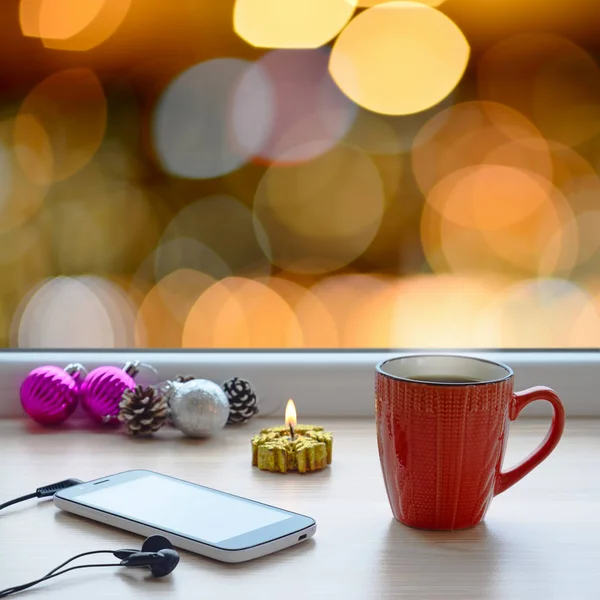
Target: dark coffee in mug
456,379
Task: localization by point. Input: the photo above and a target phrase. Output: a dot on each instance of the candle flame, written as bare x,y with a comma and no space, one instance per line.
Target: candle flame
290,414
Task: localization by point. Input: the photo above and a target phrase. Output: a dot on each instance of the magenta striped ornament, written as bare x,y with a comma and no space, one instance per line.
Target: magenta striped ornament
102,391
49,394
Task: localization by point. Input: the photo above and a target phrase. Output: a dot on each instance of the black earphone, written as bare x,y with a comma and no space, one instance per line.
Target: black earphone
157,553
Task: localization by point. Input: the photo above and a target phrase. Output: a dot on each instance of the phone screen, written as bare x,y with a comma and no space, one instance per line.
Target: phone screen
183,508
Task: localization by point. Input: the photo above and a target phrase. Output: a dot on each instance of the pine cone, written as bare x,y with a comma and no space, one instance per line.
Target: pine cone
185,378
143,410
242,400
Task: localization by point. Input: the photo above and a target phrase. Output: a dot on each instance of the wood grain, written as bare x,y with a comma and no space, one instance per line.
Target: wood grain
540,539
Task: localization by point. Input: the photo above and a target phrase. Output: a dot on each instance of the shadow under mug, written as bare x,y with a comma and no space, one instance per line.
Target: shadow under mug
442,429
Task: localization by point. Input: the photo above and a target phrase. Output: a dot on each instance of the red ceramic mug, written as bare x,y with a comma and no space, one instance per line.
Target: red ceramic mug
442,428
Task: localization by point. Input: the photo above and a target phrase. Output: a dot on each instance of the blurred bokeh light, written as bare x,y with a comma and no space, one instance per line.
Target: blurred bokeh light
399,58
550,79
163,312
341,201
314,317
497,219
293,119
488,197
300,174
72,24
426,311
291,23
60,125
20,197
242,313
541,313
57,19
374,135
477,133
75,312
369,3
345,297
192,122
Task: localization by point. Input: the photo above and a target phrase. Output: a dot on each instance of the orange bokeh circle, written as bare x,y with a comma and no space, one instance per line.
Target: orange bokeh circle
164,310
530,235
74,25
343,295
317,323
241,313
488,197
580,184
477,133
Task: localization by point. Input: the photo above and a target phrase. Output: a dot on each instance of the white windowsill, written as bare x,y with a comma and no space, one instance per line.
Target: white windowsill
323,384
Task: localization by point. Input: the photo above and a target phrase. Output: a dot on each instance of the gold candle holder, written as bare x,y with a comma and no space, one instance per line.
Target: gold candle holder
291,447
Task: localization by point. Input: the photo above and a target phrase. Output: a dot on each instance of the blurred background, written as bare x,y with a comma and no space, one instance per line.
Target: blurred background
299,174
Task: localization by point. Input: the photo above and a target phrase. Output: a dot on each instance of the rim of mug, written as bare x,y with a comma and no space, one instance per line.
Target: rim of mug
509,371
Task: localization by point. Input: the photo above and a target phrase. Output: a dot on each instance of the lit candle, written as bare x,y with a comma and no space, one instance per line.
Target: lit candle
292,447
291,418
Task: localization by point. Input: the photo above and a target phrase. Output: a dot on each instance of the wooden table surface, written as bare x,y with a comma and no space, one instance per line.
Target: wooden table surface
541,539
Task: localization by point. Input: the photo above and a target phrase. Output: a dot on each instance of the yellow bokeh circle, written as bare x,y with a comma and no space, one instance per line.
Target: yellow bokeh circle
369,3
291,23
399,58
215,235
319,216
541,313
87,230
436,311
20,197
60,125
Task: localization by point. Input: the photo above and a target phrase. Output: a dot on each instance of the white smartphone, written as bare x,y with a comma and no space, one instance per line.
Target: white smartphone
193,517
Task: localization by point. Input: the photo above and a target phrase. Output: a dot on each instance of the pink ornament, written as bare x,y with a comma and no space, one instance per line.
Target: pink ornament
49,394
103,388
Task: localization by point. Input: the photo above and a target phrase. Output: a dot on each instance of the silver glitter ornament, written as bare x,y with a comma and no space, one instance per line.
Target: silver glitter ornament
199,408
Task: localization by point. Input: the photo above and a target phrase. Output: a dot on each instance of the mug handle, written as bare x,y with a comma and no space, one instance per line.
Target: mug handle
508,478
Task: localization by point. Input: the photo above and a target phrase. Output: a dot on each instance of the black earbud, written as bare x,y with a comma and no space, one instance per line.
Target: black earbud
157,553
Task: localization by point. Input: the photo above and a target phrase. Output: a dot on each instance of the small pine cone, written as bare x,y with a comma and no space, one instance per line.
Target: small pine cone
185,378
143,410
243,401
